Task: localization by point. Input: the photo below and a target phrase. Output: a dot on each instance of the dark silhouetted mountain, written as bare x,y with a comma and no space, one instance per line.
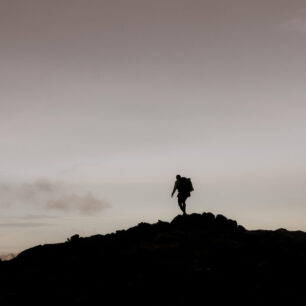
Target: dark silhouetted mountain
193,260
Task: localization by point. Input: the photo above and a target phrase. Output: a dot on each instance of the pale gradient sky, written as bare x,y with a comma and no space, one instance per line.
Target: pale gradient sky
103,102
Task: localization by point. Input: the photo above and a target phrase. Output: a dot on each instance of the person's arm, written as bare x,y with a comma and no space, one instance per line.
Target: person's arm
174,189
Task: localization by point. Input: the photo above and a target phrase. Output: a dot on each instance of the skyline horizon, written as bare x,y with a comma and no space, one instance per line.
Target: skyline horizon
11,254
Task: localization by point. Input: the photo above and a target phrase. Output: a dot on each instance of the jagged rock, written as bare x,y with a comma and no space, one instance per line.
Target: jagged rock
73,238
241,229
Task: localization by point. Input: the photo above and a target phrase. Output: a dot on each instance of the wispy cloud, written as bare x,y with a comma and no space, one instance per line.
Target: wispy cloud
28,192
87,203
43,195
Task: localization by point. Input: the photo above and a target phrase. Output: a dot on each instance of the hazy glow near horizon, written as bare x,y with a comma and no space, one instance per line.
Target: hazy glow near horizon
102,103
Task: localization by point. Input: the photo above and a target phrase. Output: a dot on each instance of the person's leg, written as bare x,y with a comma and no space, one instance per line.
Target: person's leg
184,198
180,203
184,207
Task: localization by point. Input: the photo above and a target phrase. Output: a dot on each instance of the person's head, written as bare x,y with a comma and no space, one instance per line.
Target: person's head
178,177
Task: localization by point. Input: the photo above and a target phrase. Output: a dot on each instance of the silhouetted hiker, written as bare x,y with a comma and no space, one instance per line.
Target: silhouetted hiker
184,186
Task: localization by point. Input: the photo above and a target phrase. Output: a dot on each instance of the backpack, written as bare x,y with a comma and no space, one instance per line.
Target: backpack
186,185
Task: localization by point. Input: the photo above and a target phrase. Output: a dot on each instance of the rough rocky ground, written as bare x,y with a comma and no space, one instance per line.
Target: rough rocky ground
200,259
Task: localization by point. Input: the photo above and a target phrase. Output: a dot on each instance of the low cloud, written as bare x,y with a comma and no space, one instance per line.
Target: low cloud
28,193
43,194
86,204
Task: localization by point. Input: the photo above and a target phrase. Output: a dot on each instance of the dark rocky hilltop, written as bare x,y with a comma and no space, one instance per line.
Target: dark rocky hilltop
199,259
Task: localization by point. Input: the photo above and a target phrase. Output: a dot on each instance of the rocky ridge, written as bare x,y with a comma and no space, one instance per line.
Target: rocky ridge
198,259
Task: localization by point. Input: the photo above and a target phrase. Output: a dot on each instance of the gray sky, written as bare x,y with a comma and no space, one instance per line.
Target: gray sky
102,103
